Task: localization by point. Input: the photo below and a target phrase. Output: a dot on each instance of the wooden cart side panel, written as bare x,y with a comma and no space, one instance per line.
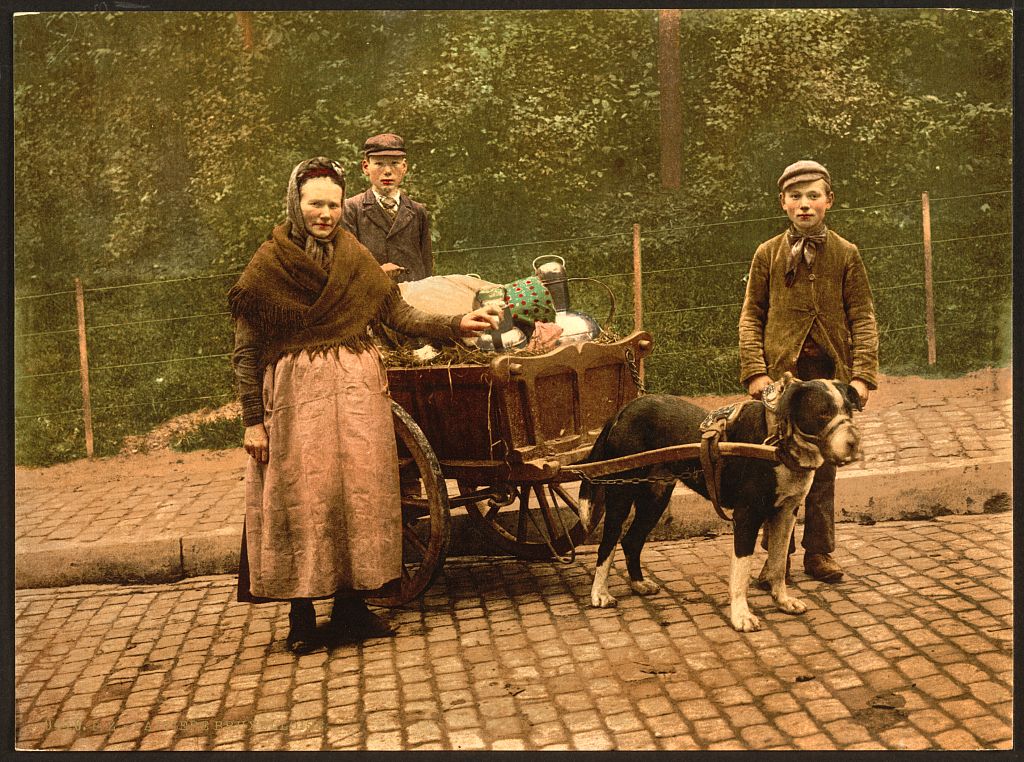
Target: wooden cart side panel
519,408
451,405
563,399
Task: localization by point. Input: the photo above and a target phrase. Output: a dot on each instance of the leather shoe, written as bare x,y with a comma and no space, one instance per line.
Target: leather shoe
302,635
762,578
353,622
822,566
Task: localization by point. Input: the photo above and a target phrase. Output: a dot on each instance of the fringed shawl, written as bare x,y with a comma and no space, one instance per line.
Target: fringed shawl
296,305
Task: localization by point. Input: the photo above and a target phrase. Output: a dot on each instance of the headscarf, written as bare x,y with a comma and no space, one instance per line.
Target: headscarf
319,249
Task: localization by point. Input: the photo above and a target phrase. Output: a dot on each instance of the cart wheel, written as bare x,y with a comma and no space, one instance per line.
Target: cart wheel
544,522
426,521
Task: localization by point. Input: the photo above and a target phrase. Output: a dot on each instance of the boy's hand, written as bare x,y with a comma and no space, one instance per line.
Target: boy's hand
256,442
757,384
862,390
484,318
392,270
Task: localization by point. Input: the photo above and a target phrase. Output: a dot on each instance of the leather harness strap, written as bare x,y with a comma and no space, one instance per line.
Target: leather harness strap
711,462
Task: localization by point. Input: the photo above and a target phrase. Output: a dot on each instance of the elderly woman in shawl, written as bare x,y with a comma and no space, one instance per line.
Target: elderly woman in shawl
322,505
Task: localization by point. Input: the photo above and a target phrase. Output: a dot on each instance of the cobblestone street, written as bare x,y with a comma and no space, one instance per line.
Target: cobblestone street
912,651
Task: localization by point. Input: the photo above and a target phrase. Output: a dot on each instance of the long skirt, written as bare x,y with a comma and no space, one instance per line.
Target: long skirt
324,515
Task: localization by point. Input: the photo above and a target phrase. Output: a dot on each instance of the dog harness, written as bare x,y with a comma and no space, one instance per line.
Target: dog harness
713,431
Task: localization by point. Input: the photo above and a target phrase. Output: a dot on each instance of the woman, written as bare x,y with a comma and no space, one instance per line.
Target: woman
323,511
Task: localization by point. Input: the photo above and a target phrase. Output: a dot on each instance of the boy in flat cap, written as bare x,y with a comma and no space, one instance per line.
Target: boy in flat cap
391,225
808,310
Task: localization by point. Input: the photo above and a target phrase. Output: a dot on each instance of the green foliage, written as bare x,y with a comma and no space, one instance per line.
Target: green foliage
220,434
155,146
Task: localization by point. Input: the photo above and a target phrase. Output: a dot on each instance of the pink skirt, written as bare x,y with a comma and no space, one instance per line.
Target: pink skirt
324,515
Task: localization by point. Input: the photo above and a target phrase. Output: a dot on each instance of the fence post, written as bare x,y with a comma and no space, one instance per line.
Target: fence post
638,302
929,297
83,361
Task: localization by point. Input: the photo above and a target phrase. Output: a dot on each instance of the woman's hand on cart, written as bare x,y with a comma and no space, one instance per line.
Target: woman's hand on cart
257,443
484,318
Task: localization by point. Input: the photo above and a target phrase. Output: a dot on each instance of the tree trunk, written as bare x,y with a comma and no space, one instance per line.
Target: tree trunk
668,84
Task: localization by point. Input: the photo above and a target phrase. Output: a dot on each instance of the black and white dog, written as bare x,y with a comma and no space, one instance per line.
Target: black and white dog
811,423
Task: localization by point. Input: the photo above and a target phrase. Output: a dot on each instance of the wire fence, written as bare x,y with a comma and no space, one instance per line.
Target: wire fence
658,279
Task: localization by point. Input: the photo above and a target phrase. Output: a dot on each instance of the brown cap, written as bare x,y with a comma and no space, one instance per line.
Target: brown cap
803,172
387,144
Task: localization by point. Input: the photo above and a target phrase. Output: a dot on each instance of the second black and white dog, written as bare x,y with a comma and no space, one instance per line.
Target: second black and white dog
811,423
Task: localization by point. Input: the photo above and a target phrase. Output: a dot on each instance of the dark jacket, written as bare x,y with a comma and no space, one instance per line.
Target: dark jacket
832,305
405,243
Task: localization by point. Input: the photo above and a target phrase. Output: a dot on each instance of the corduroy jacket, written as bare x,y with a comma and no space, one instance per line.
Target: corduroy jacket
405,243
830,301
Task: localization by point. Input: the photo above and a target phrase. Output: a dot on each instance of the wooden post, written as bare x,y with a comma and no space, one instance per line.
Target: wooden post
83,361
638,301
668,89
929,297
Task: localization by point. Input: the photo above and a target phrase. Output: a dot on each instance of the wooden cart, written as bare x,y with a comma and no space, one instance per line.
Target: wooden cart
502,433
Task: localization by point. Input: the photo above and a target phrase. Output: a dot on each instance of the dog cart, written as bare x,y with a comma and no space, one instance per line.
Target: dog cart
492,439
506,438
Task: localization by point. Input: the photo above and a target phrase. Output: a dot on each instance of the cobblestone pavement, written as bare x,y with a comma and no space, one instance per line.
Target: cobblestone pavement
912,651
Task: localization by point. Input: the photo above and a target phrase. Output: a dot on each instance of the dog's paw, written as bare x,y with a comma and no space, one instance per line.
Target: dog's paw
602,599
791,605
744,621
644,587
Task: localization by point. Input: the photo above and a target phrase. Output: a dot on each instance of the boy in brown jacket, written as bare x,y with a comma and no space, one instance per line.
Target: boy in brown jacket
391,225
808,310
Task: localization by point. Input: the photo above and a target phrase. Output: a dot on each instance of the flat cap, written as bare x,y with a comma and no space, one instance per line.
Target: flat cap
802,172
386,144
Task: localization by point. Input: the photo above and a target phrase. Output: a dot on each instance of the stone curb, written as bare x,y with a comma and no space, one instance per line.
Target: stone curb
898,493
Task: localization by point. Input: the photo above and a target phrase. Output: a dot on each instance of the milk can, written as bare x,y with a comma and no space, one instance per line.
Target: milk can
576,326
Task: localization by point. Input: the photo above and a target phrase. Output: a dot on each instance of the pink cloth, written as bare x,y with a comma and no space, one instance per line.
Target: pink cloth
325,513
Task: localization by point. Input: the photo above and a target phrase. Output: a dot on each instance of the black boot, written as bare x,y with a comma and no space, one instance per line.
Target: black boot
302,635
353,622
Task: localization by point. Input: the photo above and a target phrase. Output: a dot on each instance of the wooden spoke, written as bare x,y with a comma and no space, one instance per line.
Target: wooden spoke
545,512
413,539
524,507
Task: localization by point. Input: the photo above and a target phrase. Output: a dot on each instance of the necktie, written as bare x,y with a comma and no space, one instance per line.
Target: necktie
390,206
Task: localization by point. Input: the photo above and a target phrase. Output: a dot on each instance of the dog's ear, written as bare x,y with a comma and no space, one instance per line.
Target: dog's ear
852,396
803,452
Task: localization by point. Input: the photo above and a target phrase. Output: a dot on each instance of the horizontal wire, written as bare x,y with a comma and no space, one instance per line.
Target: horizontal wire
125,365
153,403
158,362
534,243
40,296
160,281
44,333
158,320
690,309
116,325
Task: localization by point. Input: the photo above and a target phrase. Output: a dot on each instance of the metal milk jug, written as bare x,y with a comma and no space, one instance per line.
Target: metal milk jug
576,326
552,274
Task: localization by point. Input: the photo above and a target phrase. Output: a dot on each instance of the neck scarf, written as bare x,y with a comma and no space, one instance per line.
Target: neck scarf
803,245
